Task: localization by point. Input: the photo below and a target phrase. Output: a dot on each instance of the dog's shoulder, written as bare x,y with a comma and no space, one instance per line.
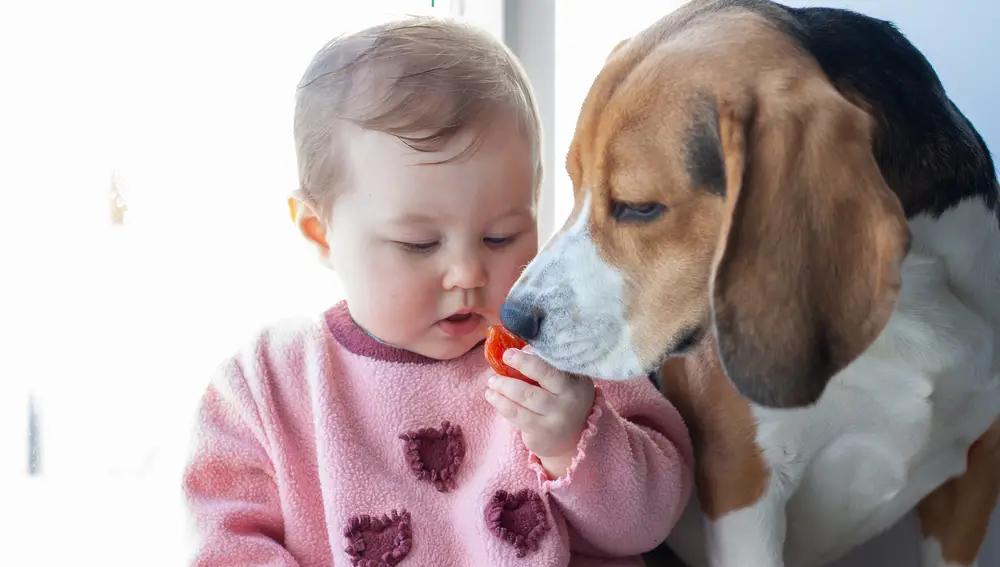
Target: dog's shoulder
925,387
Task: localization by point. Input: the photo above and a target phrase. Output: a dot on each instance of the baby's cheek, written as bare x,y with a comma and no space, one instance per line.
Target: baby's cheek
500,284
407,299
519,262
397,302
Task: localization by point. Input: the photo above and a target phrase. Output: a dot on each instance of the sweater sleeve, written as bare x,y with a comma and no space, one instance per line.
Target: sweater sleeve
229,482
632,475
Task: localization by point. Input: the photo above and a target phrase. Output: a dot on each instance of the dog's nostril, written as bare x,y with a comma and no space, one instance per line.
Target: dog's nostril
522,320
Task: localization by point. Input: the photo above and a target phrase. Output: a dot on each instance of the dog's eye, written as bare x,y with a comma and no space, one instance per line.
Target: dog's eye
636,212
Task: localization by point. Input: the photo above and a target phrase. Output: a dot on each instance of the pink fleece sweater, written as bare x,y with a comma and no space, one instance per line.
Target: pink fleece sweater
320,446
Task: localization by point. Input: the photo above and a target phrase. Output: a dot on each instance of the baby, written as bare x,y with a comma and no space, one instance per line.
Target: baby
377,434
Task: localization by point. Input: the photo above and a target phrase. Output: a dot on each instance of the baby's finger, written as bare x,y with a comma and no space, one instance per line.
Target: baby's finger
533,398
518,415
537,369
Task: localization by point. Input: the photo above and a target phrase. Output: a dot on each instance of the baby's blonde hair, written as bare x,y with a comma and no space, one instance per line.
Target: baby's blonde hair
422,80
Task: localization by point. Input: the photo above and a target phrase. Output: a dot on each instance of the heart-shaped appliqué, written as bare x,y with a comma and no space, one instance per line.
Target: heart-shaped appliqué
435,455
518,518
379,542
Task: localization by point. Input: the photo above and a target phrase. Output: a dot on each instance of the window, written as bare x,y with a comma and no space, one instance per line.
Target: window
145,224
584,39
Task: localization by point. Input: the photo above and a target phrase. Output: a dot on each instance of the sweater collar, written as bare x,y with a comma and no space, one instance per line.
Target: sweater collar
362,343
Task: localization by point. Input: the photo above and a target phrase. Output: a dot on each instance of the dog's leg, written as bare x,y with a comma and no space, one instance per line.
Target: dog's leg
754,535
954,518
744,511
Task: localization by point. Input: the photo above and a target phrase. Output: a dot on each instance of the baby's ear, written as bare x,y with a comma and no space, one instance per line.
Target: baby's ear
310,225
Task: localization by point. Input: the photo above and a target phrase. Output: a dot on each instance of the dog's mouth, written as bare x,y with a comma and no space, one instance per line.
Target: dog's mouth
689,339
687,342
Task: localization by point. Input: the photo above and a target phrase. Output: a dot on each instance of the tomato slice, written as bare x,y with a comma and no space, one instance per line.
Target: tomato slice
498,340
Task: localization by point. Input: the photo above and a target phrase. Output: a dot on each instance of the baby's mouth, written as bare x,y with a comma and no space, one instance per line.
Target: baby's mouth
461,324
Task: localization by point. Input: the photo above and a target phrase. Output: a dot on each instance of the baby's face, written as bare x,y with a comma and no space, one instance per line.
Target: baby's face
425,251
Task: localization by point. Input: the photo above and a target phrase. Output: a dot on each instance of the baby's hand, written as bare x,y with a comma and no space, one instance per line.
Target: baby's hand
550,416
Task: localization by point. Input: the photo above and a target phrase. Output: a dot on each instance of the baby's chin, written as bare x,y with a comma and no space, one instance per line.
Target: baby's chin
449,348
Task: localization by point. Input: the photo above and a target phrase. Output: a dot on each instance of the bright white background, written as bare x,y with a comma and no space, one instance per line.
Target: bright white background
114,330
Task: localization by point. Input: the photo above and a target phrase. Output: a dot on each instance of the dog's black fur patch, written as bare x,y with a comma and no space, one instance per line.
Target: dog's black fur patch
929,153
703,158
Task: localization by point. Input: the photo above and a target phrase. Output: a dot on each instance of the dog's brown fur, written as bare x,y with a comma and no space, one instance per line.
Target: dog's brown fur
786,314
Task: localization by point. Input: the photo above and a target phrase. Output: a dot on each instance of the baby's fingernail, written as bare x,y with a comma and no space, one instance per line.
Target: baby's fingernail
508,355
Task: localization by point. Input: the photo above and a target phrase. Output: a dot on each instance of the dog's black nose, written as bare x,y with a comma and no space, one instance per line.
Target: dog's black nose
522,320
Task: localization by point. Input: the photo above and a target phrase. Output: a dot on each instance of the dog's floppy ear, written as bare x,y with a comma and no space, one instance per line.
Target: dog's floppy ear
808,264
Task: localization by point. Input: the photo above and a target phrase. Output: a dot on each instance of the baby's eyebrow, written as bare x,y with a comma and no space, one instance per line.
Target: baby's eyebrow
414,218
428,218
515,211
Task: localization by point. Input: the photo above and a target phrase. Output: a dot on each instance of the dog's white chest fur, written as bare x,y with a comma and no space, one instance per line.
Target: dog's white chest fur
890,427
898,421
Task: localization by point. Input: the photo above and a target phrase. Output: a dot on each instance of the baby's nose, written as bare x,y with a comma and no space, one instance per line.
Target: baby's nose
467,273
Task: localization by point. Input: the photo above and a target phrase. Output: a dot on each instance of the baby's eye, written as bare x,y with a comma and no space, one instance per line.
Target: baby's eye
498,241
418,247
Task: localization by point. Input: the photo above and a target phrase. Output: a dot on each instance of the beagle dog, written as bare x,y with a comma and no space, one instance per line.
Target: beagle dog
785,206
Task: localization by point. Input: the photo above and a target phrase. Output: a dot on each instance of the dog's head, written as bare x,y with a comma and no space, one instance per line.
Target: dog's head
722,185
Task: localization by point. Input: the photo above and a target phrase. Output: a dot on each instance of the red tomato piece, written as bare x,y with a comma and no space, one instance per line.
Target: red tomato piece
498,340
